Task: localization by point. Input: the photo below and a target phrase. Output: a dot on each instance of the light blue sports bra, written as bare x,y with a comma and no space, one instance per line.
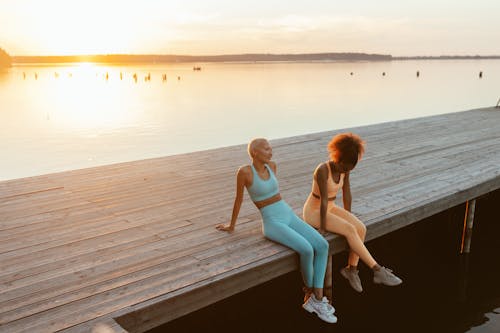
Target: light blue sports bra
263,189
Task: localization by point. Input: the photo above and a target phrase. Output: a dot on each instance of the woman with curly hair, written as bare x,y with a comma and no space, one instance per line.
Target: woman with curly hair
321,212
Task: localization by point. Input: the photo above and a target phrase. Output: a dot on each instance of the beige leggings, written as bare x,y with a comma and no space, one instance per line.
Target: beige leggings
341,222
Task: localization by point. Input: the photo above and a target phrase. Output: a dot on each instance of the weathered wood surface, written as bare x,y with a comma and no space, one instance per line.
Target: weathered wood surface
136,241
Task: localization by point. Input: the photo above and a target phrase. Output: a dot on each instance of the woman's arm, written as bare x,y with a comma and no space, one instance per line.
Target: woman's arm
346,193
241,180
321,175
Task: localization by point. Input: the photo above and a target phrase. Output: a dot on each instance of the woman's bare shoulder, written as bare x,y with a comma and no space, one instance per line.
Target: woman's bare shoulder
245,169
321,171
321,168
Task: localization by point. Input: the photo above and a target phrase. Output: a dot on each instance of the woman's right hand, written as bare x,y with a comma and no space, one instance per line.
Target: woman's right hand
223,227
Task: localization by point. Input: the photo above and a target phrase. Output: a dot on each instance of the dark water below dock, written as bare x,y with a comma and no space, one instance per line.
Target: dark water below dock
442,290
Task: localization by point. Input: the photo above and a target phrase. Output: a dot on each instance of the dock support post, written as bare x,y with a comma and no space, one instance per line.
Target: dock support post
470,207
328,288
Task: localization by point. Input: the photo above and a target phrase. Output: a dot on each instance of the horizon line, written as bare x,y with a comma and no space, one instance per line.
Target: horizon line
243,57
250,54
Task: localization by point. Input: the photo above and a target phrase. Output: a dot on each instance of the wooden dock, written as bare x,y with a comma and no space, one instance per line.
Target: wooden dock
132,245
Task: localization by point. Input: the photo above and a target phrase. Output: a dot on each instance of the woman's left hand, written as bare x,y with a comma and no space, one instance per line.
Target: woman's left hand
223,227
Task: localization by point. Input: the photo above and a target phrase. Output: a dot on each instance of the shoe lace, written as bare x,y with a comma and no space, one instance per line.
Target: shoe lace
325,305
389,273
388,269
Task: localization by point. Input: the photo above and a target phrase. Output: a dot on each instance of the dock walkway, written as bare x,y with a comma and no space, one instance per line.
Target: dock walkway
133,245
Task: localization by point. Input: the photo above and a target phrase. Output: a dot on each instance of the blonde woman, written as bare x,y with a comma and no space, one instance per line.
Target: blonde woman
282,225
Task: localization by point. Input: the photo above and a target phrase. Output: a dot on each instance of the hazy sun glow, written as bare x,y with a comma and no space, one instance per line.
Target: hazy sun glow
423,27
83,29
56,27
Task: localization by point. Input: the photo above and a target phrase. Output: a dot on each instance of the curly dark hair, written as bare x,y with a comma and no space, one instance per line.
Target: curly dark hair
347,148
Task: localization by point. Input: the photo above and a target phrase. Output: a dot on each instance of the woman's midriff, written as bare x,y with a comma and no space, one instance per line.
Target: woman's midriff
311,210
266,202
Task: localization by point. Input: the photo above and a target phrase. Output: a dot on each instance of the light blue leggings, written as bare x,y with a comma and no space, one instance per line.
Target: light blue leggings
282,225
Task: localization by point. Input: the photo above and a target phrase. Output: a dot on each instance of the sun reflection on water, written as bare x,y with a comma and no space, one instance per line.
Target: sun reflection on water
84,100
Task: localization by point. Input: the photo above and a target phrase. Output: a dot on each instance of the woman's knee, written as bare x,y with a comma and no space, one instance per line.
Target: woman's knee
306,251
321,246
361,228
350,231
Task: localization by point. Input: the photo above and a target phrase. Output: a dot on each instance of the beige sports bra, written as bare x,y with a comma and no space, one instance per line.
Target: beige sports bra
332,187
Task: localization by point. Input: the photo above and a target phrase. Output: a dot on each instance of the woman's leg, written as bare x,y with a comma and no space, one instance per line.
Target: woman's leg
355,232
335,217
281,233
338,225
358,225
320,246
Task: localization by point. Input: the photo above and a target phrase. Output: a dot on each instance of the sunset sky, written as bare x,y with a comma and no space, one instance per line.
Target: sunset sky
204,27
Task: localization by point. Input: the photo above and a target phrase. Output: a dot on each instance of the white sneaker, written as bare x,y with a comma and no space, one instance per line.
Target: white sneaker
329,307
308,294
322,309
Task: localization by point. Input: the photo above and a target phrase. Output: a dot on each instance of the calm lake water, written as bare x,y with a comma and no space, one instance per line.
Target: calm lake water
72,116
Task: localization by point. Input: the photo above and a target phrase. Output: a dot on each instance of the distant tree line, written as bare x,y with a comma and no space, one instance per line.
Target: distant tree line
5,60
448,57
250,57
126,58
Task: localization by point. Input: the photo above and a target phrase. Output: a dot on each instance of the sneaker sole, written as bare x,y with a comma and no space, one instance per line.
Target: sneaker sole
387,284
310,309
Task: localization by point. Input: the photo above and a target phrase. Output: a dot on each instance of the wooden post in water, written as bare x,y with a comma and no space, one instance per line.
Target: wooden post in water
470,207
328,288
